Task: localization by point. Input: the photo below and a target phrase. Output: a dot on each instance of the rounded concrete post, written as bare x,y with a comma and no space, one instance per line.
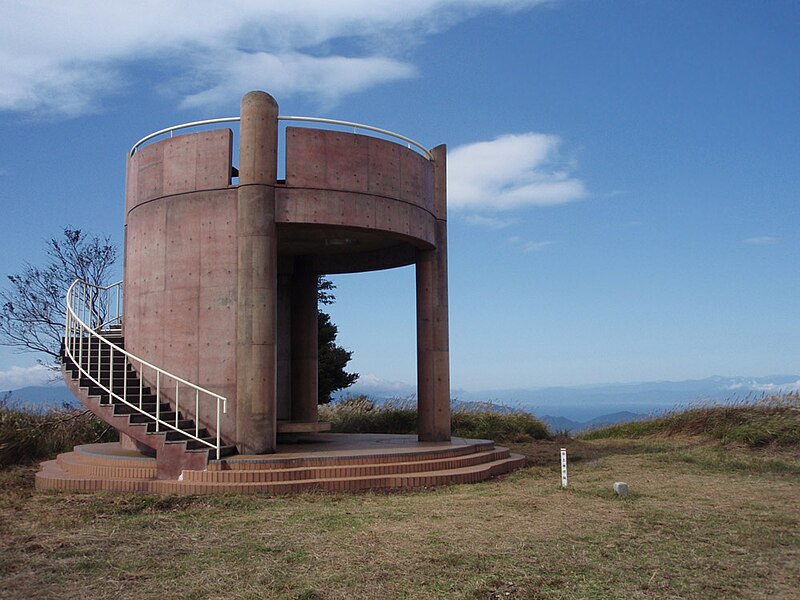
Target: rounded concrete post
305,344
256,326
284,374
433,344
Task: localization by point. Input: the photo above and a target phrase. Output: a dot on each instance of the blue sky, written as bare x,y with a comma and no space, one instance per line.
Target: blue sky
623,174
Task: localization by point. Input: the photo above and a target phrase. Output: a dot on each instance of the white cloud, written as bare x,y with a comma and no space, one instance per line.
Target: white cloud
770,388
328,78
63,58
19,377
491,222
511,171
763,240
373,385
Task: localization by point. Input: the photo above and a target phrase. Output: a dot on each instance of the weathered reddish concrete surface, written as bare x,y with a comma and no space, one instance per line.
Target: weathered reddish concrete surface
381,192
257,303
220,280
433,344
304,345
180,266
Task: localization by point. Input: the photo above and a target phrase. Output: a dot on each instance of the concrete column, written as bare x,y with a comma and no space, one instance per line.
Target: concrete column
284,346
305,361
256,326
433,344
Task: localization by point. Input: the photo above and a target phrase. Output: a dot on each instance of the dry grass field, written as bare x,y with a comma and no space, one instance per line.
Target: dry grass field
700,522
703,520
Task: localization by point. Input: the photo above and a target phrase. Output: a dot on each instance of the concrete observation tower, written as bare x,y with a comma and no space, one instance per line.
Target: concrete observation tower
210,364
221,279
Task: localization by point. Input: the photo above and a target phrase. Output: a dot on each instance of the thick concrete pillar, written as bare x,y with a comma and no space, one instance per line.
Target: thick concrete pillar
256,327
284,347
305,363
433,343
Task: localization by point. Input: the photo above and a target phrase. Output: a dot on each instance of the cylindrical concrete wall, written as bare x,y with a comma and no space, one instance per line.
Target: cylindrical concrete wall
180,267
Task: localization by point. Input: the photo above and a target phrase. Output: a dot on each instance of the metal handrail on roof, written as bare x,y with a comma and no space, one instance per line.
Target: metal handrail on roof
356,126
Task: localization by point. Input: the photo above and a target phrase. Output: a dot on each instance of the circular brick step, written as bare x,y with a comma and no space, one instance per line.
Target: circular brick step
345,463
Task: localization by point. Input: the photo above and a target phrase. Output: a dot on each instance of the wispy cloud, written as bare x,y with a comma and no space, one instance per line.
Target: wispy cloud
762,240
536,246
511,171
19,377
528,246
64,58
491,222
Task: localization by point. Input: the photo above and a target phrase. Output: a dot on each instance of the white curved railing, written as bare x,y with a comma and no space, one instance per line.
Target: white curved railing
356,126
91,309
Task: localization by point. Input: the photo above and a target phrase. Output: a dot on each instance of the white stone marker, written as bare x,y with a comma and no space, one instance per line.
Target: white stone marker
563,467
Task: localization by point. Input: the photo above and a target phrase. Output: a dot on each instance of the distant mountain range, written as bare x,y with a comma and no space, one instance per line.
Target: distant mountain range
582,404
562,424
38,398
563,408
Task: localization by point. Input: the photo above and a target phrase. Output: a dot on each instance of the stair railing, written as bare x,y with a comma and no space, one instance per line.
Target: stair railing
92,309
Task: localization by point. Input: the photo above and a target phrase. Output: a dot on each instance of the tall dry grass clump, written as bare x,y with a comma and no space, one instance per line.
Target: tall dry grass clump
27,436
768,421
359,414
484,421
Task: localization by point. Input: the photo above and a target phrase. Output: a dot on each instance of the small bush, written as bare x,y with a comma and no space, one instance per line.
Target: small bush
27,437
771,420
362,415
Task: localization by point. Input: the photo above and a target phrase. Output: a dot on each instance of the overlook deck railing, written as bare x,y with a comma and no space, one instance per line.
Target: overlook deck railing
355,126
92,310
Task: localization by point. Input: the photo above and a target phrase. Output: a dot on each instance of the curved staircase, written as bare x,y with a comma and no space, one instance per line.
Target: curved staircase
177,448
103,376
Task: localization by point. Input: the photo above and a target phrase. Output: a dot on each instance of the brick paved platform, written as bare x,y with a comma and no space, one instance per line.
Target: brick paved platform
328,462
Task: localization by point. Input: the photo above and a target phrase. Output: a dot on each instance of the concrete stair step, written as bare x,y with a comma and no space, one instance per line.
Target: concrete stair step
115,372
179,436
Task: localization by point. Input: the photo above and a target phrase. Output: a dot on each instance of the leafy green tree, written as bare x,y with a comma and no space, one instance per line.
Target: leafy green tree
332,358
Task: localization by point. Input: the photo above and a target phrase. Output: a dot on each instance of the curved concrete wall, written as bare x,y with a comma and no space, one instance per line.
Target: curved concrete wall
348,180
180,265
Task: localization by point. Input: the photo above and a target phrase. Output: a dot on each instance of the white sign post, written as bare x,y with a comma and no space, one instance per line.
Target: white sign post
563,467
